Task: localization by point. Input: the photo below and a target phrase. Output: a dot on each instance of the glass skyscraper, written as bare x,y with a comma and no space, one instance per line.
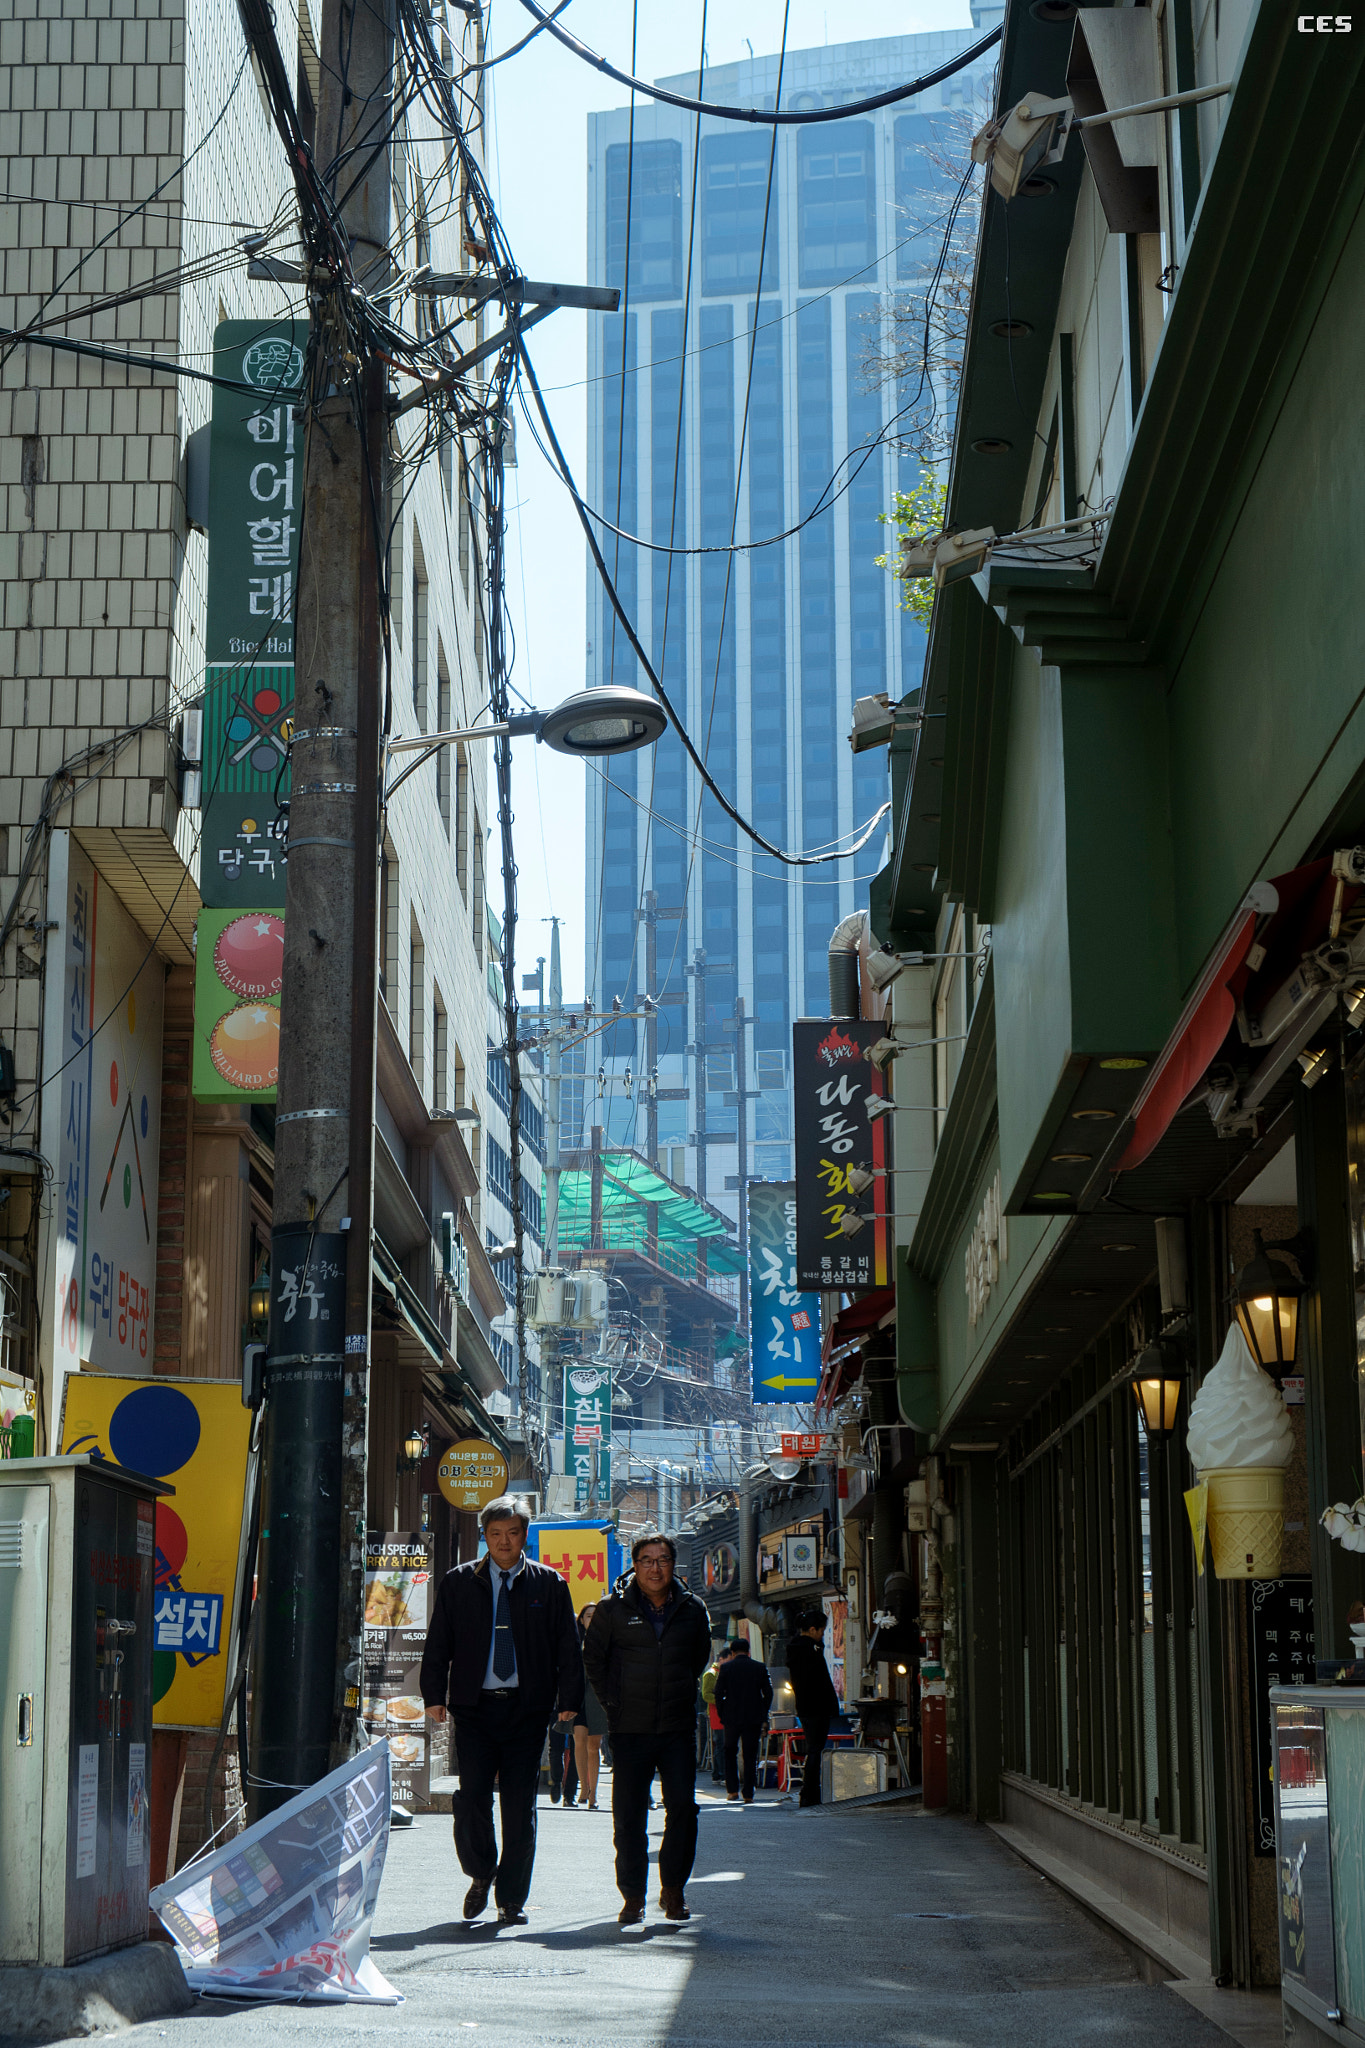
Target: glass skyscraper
763,651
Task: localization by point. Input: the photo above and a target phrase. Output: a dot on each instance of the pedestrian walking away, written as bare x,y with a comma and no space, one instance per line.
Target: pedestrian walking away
647,1646
817,1702
589,1728
502,1657
744,1693
710,1734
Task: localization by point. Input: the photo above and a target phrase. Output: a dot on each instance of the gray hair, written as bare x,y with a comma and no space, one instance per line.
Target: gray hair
508,1507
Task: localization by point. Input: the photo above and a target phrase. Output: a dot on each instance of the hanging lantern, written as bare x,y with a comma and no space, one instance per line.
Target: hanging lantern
414,1449
1266,1300
258,1300
1158,1378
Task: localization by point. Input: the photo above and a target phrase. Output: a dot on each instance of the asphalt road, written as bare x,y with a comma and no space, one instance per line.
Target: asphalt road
821,1929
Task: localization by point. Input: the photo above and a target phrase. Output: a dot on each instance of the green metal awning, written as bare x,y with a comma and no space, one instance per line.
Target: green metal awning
630,1190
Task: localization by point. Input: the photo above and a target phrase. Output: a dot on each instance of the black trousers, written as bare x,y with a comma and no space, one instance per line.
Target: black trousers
816,1735
750,1733
635,1760
563,1762
495,1740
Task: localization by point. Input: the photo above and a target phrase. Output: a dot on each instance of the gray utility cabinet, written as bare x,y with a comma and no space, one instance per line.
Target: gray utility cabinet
77,1576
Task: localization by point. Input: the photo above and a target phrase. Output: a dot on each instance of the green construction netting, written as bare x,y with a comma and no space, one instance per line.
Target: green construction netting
629,1188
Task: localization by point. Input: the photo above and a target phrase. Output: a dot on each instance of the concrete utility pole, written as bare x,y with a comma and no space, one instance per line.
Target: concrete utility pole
306,1664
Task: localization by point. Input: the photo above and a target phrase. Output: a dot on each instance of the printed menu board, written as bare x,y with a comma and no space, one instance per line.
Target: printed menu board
398,1581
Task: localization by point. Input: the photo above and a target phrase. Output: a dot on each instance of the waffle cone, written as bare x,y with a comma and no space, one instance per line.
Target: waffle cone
1246,1521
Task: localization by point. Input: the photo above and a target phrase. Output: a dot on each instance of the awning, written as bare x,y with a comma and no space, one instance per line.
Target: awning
1275,926
858,1318
631,1190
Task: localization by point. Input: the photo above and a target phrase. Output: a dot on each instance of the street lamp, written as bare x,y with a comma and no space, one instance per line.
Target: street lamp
592,724
414,1449
1266,1300
1157,1380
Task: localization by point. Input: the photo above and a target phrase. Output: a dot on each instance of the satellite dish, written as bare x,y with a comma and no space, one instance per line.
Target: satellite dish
783,1468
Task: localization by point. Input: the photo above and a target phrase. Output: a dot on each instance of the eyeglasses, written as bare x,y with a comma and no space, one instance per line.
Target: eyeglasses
656,1563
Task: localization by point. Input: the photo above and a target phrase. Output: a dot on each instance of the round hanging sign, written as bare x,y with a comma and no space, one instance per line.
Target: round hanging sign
471,1473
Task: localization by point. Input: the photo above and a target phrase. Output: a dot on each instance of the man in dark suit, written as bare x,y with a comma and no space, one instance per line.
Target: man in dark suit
744,1693
817,1702
502,1656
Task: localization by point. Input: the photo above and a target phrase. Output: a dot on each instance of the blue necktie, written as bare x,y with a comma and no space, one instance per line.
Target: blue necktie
504,1650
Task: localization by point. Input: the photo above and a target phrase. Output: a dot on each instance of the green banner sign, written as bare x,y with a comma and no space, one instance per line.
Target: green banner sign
587,1431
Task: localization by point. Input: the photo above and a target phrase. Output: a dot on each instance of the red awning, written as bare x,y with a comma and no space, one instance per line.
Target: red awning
1295,912
858,1318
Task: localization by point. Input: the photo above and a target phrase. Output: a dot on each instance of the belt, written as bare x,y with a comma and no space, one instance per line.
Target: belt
499,1692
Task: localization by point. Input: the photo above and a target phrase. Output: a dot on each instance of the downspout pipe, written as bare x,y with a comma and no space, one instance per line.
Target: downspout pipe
844,943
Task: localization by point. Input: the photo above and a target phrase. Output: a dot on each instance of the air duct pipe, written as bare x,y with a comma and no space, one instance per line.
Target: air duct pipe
845,941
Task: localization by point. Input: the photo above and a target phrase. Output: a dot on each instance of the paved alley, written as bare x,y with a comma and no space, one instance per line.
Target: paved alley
810,1930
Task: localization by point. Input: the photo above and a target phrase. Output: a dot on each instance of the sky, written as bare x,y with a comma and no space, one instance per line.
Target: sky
540,101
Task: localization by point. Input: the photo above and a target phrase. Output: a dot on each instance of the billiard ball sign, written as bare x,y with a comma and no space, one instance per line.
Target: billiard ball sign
238,971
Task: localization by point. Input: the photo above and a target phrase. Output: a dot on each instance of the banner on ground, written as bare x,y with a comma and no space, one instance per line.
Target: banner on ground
833,1081
784,1321
285,1910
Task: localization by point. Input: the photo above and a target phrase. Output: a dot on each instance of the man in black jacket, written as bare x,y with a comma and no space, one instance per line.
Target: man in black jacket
646,1647
501,1655
816,1700
744,1693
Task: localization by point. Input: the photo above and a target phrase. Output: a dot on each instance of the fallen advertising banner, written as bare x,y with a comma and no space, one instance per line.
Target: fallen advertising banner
284,1911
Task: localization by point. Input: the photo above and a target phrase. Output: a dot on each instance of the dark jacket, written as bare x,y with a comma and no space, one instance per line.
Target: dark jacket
648,1682
544,1632
744,1692
816,1700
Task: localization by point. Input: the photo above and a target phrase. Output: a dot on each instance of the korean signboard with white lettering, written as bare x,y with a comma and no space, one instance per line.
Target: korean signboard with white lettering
307,1304
104,1033
256,500
195,1435
784,1321
843,1236
587,1431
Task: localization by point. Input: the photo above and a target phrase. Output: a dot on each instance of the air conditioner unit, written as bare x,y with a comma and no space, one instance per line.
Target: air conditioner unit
585,1300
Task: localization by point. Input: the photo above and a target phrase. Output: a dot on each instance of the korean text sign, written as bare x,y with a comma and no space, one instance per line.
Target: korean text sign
109,1134
587,1430
784,1321
194,1434
833,1081
579,1552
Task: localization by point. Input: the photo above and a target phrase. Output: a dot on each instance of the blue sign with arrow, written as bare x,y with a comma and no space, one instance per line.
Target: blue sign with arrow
784,1322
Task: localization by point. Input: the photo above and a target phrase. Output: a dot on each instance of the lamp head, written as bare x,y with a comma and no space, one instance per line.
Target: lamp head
1266,1300
601,722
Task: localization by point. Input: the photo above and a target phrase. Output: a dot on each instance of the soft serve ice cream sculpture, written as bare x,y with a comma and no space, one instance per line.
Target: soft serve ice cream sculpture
1240,1441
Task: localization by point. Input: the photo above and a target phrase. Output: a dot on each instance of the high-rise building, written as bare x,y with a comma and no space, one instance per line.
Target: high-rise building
720,413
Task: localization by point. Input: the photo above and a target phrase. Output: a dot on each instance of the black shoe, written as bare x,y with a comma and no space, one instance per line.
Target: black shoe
475,1899
511,1916
632,1912
554,1795
748,1799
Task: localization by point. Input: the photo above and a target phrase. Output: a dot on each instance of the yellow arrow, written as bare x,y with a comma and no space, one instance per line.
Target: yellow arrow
781,1380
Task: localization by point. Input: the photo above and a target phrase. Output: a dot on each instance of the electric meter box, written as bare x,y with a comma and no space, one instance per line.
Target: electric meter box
77,1579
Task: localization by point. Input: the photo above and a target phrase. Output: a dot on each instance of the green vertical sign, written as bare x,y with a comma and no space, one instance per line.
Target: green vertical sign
587,1431
255,508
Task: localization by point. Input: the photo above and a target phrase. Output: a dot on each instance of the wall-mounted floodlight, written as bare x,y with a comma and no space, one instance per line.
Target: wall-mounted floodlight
1035,132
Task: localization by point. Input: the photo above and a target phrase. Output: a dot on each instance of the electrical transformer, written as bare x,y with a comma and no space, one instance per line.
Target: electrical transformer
77,1577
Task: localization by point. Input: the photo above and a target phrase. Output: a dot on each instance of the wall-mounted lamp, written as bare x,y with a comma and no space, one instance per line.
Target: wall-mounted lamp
1158,1378
1266,1299
414,1448
258,1299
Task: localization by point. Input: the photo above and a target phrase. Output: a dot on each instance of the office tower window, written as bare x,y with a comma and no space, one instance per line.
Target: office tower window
865,500
819,915
836,192
815,462
719,878
420,632
919,191
620,462
655,188
664,782
734,196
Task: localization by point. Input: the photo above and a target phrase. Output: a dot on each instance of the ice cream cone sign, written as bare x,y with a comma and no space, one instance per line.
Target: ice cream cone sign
1240,1441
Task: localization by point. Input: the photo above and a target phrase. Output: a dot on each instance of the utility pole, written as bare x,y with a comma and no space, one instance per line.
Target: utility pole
554,1055
306,1664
